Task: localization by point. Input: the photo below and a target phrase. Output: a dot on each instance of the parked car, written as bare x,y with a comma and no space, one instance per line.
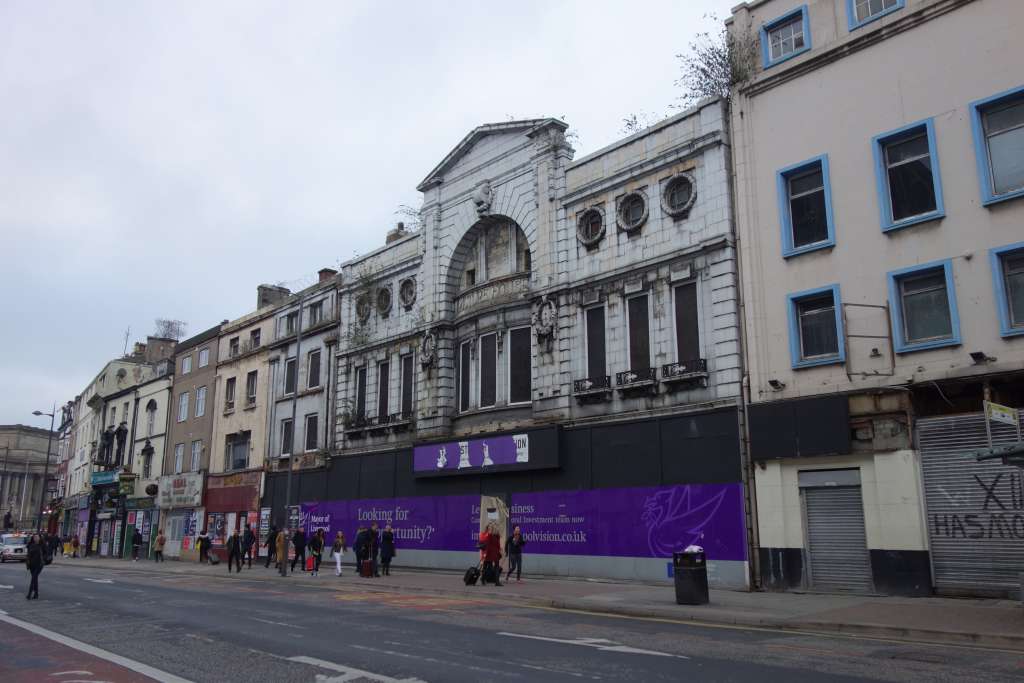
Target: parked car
13,547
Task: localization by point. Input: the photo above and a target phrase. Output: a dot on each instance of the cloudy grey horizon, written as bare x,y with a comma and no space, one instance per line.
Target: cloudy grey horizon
161,160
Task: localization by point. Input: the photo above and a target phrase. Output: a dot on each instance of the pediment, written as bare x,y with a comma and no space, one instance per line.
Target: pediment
527,127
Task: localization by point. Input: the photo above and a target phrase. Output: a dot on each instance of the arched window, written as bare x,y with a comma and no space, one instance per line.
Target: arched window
493,248
150,417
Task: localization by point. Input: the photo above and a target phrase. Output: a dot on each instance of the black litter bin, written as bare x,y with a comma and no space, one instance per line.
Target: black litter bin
691,573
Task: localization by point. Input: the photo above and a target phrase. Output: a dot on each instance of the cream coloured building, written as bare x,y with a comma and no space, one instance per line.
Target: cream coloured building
879,165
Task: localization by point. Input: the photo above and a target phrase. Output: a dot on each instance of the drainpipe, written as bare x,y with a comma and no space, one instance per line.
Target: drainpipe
291,450
749,476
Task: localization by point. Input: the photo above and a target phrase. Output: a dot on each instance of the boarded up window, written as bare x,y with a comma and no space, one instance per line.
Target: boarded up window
361,394
465,374
596,355
687,331
312,429
488,370
313,369
289,376
520,370
383,384
639,334
287,434
407,380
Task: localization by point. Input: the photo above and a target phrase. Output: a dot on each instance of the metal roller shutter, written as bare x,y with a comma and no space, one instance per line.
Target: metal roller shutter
836,542
975,511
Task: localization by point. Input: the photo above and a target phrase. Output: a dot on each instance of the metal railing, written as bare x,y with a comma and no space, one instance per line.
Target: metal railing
684,368
636,376
602,382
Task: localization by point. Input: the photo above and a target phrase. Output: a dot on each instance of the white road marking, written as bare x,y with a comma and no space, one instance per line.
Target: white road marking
596,643
137,667
348,673
276,623
72,673
100,580
8,587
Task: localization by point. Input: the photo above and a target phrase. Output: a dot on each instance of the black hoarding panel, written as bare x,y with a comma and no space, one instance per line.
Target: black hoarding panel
772,431
312,486
448,486
701,448
405,483
377,475
626,454
822,426
574,474
343,479
509,482
802,428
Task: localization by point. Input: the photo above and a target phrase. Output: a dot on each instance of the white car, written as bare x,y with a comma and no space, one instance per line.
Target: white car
13,547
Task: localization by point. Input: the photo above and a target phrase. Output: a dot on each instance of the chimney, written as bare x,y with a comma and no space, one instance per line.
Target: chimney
139,349
326,274
271,295
158,349
396,234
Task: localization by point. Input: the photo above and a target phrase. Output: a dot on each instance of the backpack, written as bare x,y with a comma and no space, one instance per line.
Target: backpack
472,576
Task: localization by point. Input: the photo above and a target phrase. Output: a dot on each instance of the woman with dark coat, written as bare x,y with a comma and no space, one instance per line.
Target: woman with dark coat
514,552
387,549
34,563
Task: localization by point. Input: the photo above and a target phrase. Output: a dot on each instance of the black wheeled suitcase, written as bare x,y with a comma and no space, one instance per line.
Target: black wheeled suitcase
472,576
214,560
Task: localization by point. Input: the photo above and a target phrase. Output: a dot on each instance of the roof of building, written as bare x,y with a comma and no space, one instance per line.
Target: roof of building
209,334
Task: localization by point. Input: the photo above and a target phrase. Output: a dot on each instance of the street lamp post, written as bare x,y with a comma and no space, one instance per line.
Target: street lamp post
46,466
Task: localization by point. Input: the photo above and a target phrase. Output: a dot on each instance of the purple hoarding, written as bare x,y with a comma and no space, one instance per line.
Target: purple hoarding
427,523
626,522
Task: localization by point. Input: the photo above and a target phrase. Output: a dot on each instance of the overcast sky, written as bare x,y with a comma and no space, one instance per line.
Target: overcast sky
160,160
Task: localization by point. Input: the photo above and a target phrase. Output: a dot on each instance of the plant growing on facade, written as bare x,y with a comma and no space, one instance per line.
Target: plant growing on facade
715,64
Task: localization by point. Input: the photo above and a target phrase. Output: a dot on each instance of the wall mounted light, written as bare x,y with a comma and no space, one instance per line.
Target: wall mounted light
776,385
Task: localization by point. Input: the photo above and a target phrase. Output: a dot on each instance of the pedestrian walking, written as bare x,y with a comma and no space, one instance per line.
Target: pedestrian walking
271,545
359,548
514,552
34,564
136,545
74,545
492,554
203,542
387,549
374,542
316,549
235,551
337,551
299,541
158,550
248,541
279,541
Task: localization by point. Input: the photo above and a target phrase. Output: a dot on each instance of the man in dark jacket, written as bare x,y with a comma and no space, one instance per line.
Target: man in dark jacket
34,563
299,541
235,551
359,548
136,544
271,545
248,541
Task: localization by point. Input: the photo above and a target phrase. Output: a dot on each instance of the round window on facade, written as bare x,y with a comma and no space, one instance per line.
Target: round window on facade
590,227
407,292
384,300
679,196
632,211
363,307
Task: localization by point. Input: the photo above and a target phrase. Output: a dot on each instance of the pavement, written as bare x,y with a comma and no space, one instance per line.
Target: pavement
988,623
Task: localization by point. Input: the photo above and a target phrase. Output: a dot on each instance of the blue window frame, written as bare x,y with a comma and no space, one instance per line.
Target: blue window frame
785,37
907,176
861,12
997,124
805,207
922,304
816,327
1008,279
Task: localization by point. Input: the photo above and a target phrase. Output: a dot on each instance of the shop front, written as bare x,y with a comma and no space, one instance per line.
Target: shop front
611,500
232,501
106,509
180,502
141,515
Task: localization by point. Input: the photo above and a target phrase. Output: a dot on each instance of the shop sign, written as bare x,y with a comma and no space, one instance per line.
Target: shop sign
127,485
238,479
535,449
138,503
1004,414
181,490
104,478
